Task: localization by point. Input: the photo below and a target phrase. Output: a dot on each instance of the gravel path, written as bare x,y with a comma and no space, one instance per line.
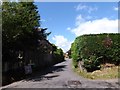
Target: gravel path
61,76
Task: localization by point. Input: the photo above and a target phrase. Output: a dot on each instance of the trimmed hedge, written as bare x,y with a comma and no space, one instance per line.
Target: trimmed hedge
96,49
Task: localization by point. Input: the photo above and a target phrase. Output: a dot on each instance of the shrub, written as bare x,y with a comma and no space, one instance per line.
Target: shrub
57,55
91,64
95,49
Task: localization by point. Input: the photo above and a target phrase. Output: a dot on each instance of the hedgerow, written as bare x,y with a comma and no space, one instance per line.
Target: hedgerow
96,49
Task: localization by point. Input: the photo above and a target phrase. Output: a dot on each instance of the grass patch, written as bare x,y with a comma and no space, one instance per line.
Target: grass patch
107,73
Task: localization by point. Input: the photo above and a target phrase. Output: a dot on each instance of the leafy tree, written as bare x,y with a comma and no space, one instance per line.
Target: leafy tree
20,22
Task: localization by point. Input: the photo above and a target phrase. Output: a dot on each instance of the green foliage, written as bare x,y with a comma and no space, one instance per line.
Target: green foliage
57,54
95,49
20,32
18,19
93,63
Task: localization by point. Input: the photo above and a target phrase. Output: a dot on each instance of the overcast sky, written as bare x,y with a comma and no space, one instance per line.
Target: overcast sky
68,20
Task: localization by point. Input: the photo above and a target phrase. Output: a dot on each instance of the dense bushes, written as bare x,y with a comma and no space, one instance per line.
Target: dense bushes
95,49
57,55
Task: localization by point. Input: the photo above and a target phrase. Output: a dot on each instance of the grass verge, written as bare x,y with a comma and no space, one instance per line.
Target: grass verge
107,73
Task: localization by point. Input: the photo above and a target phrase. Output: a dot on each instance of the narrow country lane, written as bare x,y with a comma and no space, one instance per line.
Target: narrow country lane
61,76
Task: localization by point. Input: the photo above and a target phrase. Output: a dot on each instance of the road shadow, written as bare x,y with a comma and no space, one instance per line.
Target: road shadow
46,74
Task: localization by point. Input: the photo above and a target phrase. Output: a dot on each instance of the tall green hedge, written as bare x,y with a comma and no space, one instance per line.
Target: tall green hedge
57,54
95,49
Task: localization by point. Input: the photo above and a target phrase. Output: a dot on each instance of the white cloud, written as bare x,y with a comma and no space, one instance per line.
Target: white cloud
68,28
91,9
84,7
62,42
103,25
81,7
79,19
115,8
89,17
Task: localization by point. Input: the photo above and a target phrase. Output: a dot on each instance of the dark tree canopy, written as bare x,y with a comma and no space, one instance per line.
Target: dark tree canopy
20,28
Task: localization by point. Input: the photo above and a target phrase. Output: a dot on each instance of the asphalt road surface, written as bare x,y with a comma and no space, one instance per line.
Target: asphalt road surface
61,76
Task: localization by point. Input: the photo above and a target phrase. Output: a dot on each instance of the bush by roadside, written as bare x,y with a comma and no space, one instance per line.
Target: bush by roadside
96,49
